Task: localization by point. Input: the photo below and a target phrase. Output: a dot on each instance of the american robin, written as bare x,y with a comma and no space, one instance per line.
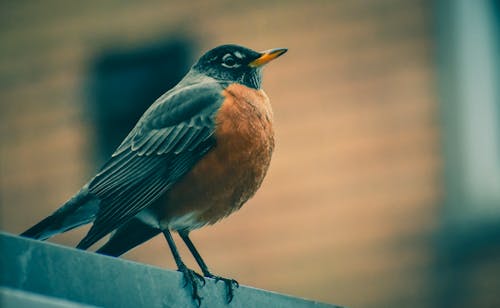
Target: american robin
196,155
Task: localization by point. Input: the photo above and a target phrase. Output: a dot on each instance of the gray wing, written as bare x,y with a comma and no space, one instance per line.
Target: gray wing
169,139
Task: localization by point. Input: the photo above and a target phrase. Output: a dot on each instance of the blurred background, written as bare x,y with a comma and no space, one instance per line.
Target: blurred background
384,189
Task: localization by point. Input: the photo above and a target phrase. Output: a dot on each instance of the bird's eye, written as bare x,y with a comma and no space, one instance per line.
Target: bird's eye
229,61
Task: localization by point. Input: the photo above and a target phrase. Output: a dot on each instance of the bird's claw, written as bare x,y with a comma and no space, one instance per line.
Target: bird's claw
229,283
190,278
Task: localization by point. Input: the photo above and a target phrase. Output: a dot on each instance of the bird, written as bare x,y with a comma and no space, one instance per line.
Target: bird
196,155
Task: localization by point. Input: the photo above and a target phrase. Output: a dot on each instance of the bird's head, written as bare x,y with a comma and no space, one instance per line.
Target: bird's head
235,63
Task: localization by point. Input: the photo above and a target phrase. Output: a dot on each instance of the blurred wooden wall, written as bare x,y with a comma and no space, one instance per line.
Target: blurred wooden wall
349,207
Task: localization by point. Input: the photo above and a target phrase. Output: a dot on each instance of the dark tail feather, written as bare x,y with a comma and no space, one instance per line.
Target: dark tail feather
133,233
79,210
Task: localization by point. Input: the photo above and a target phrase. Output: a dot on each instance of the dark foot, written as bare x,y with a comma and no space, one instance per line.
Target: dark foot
190,278
230,284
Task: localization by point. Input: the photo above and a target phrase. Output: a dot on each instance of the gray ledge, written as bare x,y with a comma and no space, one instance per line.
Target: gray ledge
53,276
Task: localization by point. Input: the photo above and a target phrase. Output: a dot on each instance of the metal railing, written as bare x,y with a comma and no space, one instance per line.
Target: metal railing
56,276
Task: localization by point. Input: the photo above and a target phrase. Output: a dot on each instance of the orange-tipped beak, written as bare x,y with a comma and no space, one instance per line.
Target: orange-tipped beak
267,56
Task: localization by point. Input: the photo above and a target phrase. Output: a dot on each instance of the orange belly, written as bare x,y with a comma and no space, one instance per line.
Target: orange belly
232,171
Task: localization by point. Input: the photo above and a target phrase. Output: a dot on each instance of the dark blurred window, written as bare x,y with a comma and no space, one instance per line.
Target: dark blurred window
123,83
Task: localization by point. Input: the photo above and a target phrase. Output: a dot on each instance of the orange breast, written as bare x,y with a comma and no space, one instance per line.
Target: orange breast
233,170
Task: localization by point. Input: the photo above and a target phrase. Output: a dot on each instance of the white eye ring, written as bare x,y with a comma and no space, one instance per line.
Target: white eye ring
229,61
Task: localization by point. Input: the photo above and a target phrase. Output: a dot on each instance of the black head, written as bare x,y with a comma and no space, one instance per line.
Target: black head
235,63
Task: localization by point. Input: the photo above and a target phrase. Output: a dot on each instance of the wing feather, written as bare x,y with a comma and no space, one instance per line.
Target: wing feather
171,136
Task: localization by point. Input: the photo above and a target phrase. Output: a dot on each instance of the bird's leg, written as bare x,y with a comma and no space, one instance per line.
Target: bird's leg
190,276
229,283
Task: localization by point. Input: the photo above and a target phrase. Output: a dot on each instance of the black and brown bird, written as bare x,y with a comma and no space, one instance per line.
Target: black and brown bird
196,155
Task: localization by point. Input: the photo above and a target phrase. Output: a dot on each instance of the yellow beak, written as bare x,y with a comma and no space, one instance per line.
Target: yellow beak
267,56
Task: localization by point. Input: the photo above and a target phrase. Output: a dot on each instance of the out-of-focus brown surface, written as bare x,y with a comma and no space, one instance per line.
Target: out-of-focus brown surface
349,207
